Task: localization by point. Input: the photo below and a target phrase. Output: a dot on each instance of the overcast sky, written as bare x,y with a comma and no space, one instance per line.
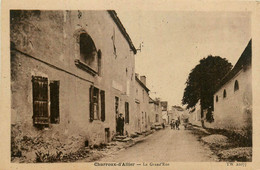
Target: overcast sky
174,42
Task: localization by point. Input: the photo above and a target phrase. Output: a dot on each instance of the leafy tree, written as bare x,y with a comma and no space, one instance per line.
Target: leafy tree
202,83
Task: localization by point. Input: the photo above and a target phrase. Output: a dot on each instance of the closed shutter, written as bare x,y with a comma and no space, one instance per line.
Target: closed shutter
91,105
54,98
103,115
126,112
40,100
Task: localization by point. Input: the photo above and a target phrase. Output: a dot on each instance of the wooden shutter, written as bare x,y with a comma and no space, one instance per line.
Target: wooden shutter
54,98
126,112
91,105
40,100
102,95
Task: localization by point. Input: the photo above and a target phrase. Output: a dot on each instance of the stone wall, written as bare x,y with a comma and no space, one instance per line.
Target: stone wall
234,112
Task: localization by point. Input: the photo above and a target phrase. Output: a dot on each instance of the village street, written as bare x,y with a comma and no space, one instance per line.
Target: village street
166,146
115,99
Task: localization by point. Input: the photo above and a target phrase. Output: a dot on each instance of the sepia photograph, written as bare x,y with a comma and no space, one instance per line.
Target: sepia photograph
142,85
124,86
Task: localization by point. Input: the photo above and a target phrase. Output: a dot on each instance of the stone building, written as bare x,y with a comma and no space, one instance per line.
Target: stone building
72,73
195,115
142,117
155,112
164,105
175,112
233,99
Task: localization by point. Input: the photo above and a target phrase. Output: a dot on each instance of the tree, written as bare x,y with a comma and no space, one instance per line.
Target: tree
202,83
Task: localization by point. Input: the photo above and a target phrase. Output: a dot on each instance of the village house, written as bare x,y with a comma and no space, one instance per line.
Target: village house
233,98
175,112
195,115
72,74
142,117
164,105
155,112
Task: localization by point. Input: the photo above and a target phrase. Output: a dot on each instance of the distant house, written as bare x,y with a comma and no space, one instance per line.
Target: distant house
233,98
164,105
195,115
155,112
142,107
177,111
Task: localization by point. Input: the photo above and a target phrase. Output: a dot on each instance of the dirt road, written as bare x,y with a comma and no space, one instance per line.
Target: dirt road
168,146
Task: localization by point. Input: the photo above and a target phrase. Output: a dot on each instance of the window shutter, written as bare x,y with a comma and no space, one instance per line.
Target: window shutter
126,112
54,97
91,105
103,114
40,100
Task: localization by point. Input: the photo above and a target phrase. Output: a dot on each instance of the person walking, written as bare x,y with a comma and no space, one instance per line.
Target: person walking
178,123
172,124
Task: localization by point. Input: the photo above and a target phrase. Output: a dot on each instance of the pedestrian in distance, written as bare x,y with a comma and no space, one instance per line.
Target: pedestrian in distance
163,125
178,124
121,123
172,124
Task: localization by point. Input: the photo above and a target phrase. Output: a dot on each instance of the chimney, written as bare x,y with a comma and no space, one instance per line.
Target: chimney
143,80
137,75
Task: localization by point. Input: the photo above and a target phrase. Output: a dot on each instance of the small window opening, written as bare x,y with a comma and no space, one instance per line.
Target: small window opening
86,143
236,86
217,98
224,94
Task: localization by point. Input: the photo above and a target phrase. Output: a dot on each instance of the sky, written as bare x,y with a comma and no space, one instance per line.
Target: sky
173,42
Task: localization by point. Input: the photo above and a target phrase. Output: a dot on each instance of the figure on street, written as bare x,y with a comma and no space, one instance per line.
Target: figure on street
178,123
120,124
172,124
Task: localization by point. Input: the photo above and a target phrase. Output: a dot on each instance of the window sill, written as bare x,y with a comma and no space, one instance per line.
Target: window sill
85,67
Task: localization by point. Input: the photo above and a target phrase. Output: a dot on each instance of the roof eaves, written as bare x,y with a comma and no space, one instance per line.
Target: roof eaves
243,61
122,29
139,81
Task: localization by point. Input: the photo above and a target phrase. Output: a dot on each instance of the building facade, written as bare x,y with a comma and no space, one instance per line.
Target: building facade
72,73
164,105
142,117
233,99
155,112
195,115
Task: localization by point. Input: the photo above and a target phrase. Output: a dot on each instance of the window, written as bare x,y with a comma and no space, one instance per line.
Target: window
99,62
236,86
143,95
54,98
142,117
126,112
41,116
117,107
103,110
224,93
89,59
216,98
96,97
40,100
88,50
